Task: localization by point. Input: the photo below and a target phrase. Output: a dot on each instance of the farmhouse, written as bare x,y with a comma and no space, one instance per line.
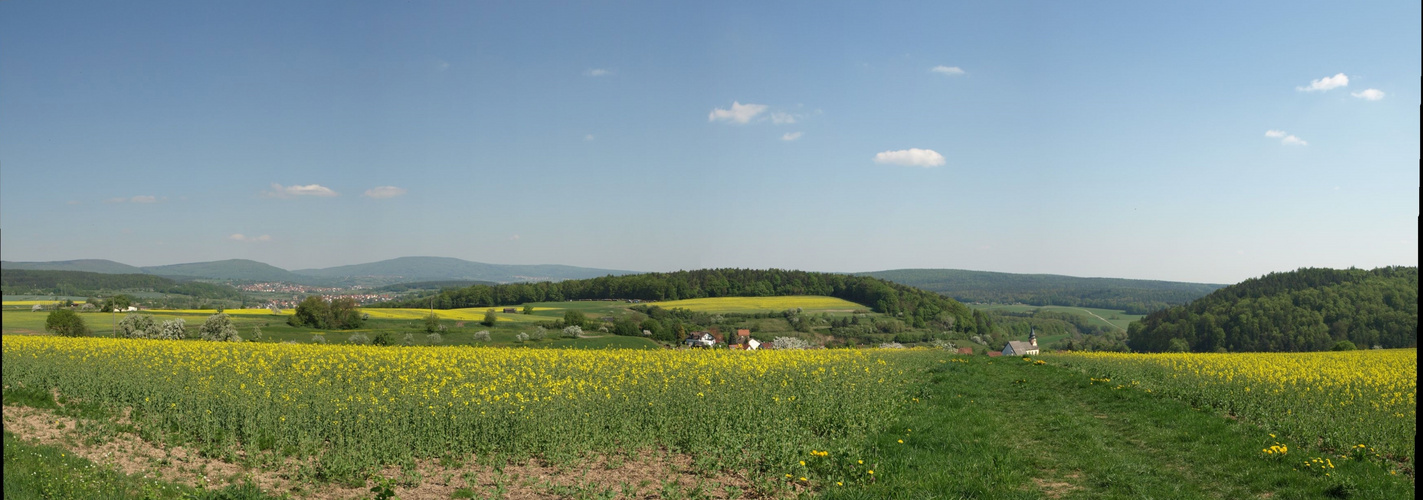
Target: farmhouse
700,339
1029,348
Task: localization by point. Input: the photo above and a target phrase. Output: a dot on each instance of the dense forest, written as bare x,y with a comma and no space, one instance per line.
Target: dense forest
1304,310
25,282
1132,296
917,308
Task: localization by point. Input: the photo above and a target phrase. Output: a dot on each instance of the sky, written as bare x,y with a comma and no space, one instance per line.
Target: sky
1204,142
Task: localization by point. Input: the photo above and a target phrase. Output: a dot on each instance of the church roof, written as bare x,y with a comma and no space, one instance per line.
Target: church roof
1020,347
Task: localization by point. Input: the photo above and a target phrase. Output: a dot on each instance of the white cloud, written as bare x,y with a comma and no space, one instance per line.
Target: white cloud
597,72
1286,138
791,136
739,113
782,118
279,191
136,199
1369,94
588,138
947,70
383,192
912,157
441,65
514,238
250,239
1326,83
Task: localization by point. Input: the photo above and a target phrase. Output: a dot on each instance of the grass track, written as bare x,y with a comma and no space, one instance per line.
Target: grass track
1055,434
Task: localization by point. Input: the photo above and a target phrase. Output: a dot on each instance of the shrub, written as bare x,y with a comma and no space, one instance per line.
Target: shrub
573,332
891,345
383,338
435,339
482,335
173,329
409,339
489,318
791,343
317,338
358,339
137,326
66,323
521,337
539,333
1343,345
219,328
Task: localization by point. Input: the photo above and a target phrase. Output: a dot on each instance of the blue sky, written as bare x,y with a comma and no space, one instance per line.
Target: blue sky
1207,142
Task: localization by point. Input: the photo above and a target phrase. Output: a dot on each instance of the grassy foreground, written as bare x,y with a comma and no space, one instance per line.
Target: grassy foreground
1005,428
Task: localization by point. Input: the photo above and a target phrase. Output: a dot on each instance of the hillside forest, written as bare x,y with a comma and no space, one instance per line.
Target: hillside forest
1305,310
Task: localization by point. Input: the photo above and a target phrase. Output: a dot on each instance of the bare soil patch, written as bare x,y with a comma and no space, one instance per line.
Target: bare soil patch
644,474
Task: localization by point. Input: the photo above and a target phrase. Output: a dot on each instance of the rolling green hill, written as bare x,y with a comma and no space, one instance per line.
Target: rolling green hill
231,269
1304,310
28,282
412,269
1132,296
86,265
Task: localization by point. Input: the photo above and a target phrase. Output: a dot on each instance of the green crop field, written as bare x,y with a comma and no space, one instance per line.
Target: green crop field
808,303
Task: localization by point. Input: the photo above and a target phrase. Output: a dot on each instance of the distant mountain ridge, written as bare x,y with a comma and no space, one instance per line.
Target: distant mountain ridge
1132,296
412,269
386,272
84,265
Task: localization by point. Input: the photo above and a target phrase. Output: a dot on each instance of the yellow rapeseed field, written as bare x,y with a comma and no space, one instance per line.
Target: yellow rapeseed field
30,302
355,408
469,314
1338,399
752,304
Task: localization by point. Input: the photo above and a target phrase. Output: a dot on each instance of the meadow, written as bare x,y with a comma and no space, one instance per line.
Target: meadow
1109,317
1351,402
746,305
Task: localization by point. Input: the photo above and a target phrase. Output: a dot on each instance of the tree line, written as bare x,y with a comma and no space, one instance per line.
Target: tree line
916,307
1309,309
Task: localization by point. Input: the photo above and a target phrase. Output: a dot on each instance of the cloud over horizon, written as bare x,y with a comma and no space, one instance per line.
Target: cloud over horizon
1327,83
791,136
597,72
143,198
384,192
912,157
250,239
279,191
947,70
1369,94
739,113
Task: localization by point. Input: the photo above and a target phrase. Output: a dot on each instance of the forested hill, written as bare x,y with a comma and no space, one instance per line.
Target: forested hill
26,282
918,307
1132,296
1304,310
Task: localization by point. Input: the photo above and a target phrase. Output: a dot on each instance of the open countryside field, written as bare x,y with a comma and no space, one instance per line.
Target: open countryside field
808,303
1109,317
460,422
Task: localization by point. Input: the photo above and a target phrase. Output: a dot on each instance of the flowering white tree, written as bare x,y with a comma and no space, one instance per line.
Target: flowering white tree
573,332
173,329
219,328
482,335
137,326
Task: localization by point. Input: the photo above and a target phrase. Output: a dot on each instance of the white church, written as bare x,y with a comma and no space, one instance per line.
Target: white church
1017,348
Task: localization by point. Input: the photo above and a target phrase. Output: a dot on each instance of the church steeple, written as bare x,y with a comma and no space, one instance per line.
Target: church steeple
1033,336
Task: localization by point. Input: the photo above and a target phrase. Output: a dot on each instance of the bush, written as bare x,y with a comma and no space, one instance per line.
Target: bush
521,337
432,323
482,335
317,338
173,329
572,332
1343,345
891,345
539,334
574,318
219,328
790,343
489,318
66,323
137,326
358,339
435,339
383,338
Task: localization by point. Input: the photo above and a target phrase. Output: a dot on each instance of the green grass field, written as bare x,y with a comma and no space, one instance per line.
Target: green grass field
808,303
1109,317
